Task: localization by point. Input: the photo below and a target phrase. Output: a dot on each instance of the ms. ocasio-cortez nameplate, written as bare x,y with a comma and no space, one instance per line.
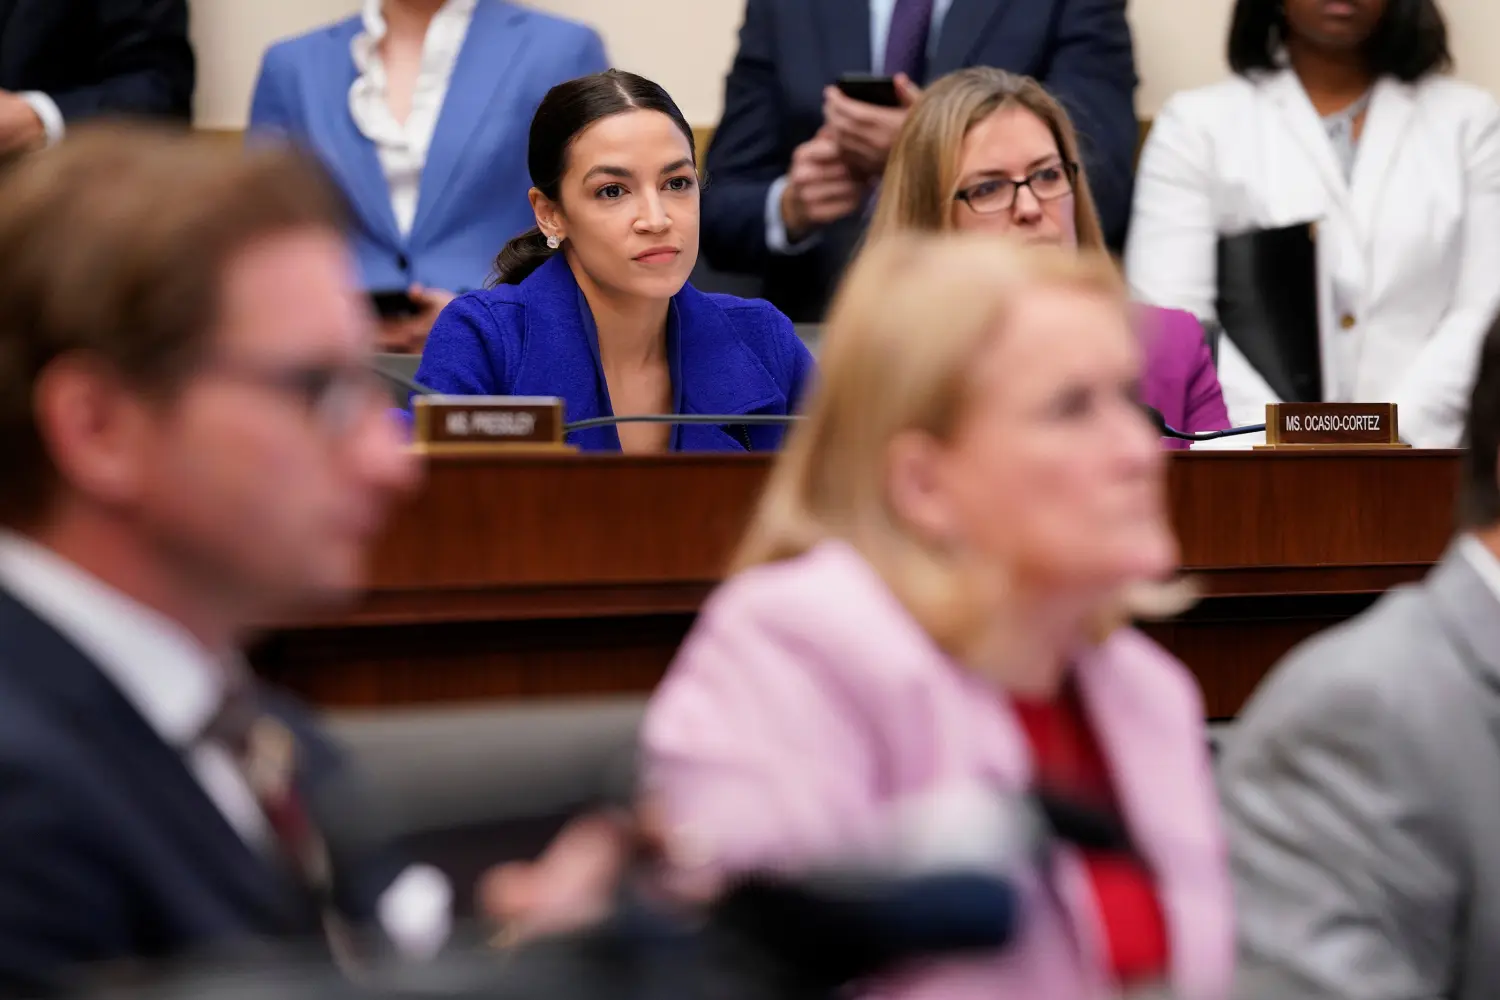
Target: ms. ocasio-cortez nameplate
468,424
1332,425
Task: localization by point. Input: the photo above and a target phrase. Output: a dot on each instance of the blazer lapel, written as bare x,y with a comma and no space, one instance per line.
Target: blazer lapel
1306,129
558,353
719,373
964,29
493,41
152,777
356,163
1386,127
844,29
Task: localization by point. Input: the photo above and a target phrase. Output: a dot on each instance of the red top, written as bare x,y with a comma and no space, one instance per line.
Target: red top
1070,762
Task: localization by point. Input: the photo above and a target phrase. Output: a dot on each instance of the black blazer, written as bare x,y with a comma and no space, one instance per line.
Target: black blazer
110,850
791,49
100,57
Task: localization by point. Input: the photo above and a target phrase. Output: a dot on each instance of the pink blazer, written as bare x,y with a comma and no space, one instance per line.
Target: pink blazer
1180,379
806,704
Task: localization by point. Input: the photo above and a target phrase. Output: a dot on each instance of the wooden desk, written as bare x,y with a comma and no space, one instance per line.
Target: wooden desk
536,576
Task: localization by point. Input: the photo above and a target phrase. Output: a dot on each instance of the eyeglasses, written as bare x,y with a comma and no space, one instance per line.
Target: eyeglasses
998,194
336,396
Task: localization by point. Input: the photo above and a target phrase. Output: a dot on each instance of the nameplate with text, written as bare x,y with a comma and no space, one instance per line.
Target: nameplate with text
450,424
1332,425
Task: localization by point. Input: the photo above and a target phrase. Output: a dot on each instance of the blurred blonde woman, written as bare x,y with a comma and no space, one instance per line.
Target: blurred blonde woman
923,610
985,150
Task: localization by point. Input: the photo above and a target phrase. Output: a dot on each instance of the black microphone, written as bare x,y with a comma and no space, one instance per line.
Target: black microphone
940,884
1167,430
834,928
943,888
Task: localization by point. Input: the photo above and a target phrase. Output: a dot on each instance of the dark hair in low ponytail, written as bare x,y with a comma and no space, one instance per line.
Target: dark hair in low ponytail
520,256
564,113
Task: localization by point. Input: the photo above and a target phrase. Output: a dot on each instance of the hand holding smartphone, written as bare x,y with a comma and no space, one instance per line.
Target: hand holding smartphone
870,89
394,303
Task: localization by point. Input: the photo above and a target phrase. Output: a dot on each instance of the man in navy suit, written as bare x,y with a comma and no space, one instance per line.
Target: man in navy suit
794,163
65,61
192,443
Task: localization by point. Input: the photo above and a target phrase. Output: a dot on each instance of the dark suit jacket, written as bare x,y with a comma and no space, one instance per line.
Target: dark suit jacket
791,49
110,850
100,57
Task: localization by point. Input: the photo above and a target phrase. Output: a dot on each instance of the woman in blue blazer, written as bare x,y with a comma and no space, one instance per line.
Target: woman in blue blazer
432,163
593,305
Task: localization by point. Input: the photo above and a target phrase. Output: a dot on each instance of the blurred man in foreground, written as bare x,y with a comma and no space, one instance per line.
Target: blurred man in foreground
1360,788
192,443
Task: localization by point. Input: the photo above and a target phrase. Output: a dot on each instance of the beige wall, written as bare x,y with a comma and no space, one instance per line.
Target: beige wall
1476,34
229,37
1180,44
687,46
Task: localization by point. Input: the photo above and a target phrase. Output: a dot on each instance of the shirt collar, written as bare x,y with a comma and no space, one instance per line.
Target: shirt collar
373,18
172,680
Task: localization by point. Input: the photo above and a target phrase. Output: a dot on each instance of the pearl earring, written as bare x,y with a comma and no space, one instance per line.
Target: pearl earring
553,243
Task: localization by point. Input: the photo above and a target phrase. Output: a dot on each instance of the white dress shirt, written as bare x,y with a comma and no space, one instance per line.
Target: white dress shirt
402,147
177,686
881,13
1345,353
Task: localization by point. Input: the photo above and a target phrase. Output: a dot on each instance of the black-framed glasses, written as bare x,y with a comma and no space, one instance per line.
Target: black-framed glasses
994,195
336,395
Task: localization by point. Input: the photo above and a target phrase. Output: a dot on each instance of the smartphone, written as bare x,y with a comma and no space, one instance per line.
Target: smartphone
879,90
394,303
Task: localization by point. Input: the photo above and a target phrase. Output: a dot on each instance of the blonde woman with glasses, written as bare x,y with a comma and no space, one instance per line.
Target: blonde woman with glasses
927,609
989,151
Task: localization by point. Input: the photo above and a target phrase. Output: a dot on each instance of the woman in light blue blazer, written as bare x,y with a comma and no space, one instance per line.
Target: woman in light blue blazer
421,118
593,304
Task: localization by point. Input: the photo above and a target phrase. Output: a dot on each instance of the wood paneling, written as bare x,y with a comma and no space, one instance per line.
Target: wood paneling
544,575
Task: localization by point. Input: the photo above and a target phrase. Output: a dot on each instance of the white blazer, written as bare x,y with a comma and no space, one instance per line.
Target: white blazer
1410,249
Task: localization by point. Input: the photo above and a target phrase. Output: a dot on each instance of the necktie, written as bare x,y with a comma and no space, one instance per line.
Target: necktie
906,45
265,751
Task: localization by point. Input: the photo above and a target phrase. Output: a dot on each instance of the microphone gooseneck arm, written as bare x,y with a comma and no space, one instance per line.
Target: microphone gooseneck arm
775,419
683,418
1173,432
1167,430
749,419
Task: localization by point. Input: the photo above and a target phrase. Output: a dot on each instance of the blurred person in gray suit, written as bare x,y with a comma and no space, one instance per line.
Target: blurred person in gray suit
1362,789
